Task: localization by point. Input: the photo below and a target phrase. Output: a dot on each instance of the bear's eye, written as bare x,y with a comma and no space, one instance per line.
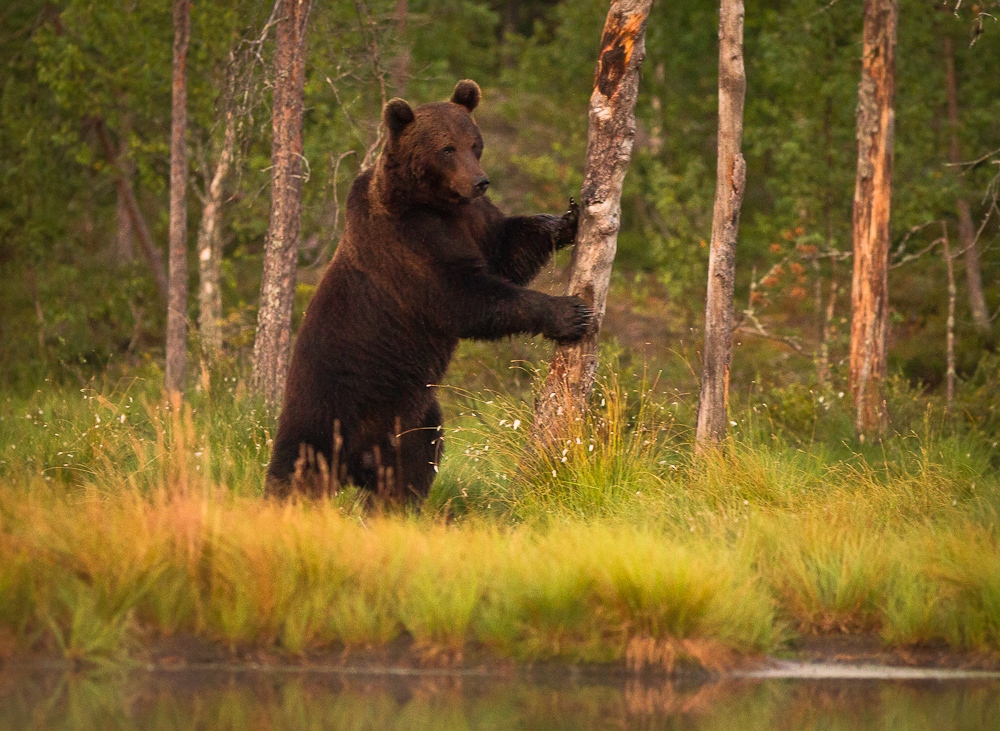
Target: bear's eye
449,150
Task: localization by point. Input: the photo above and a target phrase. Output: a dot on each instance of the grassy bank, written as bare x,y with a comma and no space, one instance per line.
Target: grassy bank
124,521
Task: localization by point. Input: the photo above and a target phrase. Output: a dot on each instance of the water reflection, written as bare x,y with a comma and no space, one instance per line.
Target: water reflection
277,701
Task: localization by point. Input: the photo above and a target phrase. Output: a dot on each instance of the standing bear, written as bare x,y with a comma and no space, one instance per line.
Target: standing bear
426,259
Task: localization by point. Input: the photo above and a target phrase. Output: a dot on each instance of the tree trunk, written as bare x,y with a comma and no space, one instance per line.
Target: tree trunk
823,319
125,237
966,229
210,245
177,300
730,181
149,249
872,195
950,342
401,66
609,150
272,343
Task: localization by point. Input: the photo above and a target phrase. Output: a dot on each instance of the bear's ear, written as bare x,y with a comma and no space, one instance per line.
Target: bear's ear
467,94
396,115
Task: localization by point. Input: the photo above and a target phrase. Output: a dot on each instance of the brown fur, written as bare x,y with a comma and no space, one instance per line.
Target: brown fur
426,259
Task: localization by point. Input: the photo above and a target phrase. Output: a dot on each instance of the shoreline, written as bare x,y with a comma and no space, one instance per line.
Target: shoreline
817,658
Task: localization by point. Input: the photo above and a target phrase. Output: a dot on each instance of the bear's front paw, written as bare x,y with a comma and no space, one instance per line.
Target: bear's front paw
566,230
571,322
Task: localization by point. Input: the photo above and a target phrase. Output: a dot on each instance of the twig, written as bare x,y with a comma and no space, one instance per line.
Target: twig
828,6
977,161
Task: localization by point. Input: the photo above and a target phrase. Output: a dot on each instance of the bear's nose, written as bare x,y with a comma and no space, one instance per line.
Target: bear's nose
481,185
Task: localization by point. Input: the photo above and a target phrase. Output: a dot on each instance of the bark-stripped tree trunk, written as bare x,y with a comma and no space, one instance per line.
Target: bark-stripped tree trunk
149,250
210,245
966,229
730,181
272,343
177,300
872,195
609,150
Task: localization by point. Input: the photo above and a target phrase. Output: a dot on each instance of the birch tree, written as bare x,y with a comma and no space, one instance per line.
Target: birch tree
609,149
872,196
209,244
730,182
966,229
272,342
177,269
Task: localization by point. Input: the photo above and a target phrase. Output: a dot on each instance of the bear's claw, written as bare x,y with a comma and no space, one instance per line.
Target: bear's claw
568,222
575,321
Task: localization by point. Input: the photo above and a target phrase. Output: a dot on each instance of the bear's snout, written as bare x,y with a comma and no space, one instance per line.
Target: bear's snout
481,185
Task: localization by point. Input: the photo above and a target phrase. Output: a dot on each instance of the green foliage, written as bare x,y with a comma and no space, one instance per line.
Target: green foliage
618,543
71,62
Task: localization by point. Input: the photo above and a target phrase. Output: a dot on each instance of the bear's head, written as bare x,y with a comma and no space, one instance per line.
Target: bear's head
432,153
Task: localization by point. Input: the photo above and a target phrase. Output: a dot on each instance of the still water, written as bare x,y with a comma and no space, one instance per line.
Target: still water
301,701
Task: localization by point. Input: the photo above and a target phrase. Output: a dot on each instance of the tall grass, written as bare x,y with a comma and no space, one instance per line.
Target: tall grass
124,520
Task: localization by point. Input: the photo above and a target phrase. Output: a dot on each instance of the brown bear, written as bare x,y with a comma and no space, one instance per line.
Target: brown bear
426,259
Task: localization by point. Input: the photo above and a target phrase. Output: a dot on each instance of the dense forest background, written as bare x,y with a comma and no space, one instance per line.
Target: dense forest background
77,297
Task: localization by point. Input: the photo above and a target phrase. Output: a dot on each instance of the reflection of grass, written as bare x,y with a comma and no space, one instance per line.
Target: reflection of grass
617,544
286,702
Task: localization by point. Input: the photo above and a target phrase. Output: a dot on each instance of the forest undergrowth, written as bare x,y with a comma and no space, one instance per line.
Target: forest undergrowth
125,521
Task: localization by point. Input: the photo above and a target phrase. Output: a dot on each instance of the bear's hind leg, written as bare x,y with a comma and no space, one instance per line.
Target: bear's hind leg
421,450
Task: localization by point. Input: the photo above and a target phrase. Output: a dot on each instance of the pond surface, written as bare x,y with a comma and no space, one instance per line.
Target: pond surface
305,701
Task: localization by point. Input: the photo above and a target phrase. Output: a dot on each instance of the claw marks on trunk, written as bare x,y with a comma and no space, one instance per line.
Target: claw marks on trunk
617,45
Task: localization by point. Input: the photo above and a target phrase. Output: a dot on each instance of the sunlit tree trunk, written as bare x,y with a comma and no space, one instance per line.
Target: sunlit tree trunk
210,245
272,343
966,229
872,195
177,299
730,181
609,150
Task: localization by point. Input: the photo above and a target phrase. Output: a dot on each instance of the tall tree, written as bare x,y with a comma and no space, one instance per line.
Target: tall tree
177,299
872,196
272,343
730,182
966,229
609,150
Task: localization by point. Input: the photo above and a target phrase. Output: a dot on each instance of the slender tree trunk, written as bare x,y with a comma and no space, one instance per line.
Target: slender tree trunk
609,150
872,195
210,245
272,343
823,375
950,344
125,238
401,67
149,250
966,229
823,319
177,301
730,181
